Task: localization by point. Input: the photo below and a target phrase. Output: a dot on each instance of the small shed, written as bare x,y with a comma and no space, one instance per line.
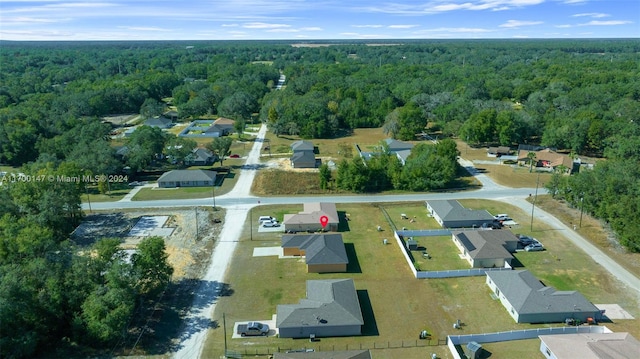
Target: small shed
412,244
474,350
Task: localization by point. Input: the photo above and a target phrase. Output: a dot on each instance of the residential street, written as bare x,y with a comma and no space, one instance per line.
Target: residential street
238,202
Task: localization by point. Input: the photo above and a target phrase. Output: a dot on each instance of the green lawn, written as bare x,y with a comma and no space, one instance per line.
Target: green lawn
151,194
396,306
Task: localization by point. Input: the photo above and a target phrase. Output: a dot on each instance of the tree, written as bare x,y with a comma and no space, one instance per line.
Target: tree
325,176
151,267
220,146
239,126
531,157
178,148
151,108
145,144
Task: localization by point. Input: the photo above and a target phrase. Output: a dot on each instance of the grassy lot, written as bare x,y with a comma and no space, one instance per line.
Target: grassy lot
390,293
592,230
337,148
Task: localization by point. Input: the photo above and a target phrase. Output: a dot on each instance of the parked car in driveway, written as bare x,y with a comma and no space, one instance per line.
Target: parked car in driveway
268,224
502,217
526,240
253,329
534,247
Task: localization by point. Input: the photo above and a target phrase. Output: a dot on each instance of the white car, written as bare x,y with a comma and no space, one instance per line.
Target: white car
273,223
263,219
534,247
502,217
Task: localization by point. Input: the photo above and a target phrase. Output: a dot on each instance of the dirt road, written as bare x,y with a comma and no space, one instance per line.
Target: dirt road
194,332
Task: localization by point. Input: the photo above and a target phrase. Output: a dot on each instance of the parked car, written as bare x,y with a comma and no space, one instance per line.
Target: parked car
534,247
526,240
235,155
268,224
502,217
266,219
253,329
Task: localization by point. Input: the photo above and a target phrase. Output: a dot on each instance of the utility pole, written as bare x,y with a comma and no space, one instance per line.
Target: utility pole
251,224
533,204
213,191
224,328
196,209
581,208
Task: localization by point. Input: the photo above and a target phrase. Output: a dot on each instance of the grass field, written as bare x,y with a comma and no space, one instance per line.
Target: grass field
396,305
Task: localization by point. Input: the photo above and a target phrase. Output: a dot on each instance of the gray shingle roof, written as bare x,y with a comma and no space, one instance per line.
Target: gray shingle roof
486,244
452,210
395,145
312,212
304,156
188,175
528,295
329,302
319,248
302,146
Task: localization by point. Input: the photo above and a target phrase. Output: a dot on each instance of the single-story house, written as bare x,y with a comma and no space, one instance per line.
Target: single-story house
301,146
486,248
590,346
303,155
159,122
309,218
173,115
187,178
345,354
498,151
451,214
527,300
324,253
331,309
546,159
220,127
304,159
200,157
400,149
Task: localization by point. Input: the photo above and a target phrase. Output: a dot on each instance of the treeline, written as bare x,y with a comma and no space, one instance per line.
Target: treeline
429,167
54,296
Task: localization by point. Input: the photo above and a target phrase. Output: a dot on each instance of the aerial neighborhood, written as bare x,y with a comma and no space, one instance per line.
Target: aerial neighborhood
320,199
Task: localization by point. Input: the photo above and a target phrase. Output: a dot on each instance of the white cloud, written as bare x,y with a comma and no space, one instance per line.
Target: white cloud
518,23
142,28
402,26
594,15
440,6
264,25
456,30
312,28
606,23
564,26
368,26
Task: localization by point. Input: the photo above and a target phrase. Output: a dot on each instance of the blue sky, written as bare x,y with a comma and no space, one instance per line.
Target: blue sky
62,20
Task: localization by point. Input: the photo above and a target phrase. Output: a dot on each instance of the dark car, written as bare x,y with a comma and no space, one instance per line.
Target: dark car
235,155
526,240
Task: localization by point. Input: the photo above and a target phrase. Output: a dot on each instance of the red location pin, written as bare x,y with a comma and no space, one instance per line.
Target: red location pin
324,220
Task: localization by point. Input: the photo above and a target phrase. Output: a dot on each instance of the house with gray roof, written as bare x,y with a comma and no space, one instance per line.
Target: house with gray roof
344,354
303,155
324,253
590,346
159,122
400,149
527,300
331,309
309,218
220,127
486,248
200,157
451,214
187,178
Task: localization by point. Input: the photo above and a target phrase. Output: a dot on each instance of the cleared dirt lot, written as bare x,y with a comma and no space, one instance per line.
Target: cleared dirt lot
188,246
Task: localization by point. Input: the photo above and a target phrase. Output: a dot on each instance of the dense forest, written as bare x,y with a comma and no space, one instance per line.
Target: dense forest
581,96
